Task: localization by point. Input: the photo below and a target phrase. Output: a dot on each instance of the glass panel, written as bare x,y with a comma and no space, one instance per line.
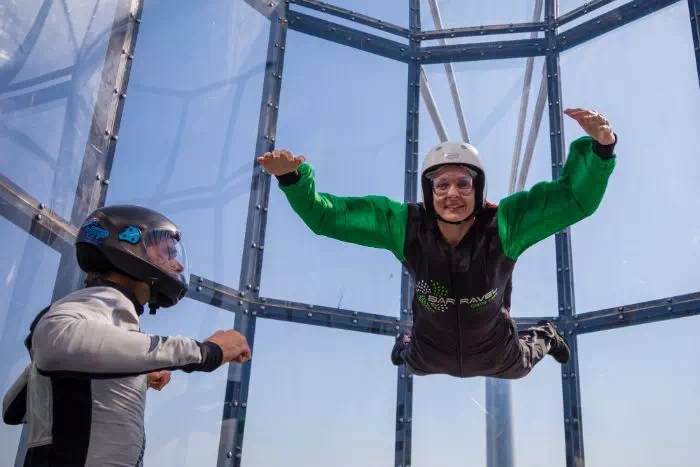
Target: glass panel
623,253
538,417
188,134
491,94
391,12
320,396
349,119
28,271
640,400
183,421
449,421
458,14
52,58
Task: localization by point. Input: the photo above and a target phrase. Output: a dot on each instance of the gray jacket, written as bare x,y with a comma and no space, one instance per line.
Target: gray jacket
83,395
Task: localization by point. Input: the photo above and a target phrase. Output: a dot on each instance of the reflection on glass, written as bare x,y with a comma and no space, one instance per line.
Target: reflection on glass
187,140
640,400
51,59
460,13
492,94
349,120
183,421
320,396
27,275
640,244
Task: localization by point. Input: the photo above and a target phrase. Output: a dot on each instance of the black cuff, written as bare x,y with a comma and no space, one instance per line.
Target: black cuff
17,409
289,178
212,356
605,151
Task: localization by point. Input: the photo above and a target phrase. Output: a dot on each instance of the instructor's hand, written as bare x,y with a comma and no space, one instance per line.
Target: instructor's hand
233,344
280,162
594,124
158,379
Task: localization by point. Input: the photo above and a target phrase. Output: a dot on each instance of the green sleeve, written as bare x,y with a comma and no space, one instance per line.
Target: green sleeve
373,221
526,217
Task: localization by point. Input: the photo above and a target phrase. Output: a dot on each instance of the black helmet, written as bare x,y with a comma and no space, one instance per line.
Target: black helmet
139,243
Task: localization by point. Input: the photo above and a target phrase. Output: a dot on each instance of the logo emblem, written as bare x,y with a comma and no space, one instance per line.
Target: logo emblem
131,235
92,232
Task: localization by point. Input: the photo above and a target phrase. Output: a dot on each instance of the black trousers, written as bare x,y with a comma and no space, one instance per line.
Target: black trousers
521,352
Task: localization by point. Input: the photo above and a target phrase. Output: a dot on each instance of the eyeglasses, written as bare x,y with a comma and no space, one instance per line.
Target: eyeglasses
463,184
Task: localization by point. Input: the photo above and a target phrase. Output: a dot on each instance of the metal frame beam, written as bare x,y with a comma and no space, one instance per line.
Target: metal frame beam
431,106
640,313
694,10
353,16
571,391
238,383
32,216
524,100
344,35
609,21
451,78
482,51
583,10
489,30
243,303
93,181
404,380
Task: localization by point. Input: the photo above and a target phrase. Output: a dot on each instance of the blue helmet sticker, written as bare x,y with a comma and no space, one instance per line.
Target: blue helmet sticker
92,232
131,234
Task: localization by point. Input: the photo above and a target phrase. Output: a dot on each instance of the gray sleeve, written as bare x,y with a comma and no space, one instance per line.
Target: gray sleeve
66,342
14,404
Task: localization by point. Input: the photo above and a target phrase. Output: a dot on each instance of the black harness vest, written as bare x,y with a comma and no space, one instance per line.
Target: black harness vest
461,302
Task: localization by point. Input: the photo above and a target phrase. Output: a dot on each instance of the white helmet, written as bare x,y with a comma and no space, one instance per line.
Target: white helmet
454,153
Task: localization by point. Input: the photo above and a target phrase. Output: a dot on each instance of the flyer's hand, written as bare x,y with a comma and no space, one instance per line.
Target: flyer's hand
594,124
280,162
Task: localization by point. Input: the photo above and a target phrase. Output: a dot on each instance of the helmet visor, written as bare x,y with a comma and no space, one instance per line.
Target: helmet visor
166,251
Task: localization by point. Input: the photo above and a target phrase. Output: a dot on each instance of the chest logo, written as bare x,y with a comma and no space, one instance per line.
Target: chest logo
435,297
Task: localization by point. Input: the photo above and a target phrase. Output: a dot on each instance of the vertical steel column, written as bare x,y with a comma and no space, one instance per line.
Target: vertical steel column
101,144
236,397
573,427
499,424
95,172
404,387
694,6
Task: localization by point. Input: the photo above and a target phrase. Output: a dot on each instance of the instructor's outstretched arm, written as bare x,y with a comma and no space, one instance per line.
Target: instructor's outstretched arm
373,221
528,217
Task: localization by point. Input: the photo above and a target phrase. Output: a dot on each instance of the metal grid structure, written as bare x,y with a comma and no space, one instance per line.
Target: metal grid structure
32,216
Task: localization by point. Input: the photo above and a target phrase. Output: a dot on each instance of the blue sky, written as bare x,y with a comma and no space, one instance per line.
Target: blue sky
322,396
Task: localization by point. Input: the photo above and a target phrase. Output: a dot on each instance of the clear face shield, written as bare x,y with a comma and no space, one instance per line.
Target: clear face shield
166,251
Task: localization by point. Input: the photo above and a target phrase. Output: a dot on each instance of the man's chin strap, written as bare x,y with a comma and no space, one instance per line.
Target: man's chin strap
152,301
